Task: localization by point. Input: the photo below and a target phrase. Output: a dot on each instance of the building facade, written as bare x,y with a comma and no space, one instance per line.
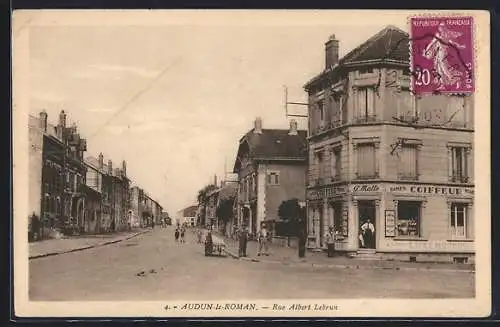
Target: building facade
378,152
57,174
271,165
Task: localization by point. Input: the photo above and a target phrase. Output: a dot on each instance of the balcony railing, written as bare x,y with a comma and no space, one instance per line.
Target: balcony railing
460,179
365,119
366,176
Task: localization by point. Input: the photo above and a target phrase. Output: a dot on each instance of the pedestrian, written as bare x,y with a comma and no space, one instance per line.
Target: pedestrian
263,242
209,244
330,242
302,240
177,232
183,232
368,231
243,239
200,236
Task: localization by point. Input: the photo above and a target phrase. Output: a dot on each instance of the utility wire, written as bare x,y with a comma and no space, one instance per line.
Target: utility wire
136,96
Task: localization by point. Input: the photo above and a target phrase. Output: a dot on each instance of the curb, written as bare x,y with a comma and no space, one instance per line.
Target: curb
87,246
343,266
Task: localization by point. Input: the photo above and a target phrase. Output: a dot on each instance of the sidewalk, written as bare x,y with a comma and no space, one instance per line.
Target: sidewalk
289,256
77,243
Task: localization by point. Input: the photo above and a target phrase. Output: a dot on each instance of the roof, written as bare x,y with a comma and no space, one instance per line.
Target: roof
190,211
273,144
389,45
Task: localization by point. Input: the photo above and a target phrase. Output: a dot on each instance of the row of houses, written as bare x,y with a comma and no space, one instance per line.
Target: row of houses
72,194
373,151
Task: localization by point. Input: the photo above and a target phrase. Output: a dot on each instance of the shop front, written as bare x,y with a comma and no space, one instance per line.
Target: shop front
394,220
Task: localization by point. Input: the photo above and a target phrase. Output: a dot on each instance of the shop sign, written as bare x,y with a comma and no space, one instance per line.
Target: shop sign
360,188
432,190
390,223
345,222
326,192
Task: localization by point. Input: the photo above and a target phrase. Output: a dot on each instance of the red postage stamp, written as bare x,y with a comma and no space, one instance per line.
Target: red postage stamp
442,54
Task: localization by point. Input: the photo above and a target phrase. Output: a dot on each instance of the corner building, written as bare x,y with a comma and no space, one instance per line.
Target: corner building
378,152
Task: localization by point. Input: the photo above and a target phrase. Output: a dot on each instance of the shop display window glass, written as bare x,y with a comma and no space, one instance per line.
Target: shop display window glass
337,217
409,216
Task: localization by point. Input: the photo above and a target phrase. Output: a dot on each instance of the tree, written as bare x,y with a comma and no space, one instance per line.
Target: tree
224,211
292,217
203,200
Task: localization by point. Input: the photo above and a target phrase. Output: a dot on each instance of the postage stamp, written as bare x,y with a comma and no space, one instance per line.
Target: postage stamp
442,55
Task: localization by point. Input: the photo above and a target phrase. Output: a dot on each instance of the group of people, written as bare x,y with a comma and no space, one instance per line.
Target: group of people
180,234
263,237
367,234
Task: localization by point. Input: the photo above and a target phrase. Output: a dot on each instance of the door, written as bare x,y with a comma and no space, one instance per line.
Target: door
366,219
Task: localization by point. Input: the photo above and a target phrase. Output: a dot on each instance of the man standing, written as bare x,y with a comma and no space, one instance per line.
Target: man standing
243,239
330,242
263,245
368,231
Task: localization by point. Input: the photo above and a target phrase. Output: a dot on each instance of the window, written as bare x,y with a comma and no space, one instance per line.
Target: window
408,162
318,158
366,161
408,221
321,110
366,105
458,221
459,156
273,178
337,217
335,165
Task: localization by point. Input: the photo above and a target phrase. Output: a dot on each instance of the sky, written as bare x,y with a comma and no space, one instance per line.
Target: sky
174,100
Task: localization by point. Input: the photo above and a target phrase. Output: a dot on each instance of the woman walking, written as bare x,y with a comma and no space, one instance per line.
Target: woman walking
176,234
183,232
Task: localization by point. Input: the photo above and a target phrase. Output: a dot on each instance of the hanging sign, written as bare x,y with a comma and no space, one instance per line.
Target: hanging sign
390,223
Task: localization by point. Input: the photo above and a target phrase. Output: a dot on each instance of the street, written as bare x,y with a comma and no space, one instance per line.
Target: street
153,266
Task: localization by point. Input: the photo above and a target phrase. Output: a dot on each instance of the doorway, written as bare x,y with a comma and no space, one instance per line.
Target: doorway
366,219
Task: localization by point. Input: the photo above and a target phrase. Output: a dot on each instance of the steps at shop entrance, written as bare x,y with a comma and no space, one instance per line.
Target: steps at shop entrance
367,254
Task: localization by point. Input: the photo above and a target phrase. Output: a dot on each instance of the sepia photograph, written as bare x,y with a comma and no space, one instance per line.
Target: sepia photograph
182,163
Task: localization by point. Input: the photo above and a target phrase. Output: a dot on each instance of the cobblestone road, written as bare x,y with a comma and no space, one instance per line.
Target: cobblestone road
153,266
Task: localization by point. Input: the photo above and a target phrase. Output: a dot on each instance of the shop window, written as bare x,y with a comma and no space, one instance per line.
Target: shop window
458,220
337,218
273,178
459,158
365,109
366,161
408,162
409,216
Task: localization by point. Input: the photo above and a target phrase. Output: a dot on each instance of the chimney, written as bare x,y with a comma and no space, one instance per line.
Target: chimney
101,161
331,52
293,127
110,167
62,119
258,126
43,120
215,179
124,168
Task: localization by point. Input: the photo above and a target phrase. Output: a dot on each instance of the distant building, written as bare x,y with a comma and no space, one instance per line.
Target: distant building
187,215
226,191
56,174
271,165
143,209
378,152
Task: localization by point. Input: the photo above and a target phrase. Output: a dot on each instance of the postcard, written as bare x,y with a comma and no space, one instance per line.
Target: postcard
232,164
